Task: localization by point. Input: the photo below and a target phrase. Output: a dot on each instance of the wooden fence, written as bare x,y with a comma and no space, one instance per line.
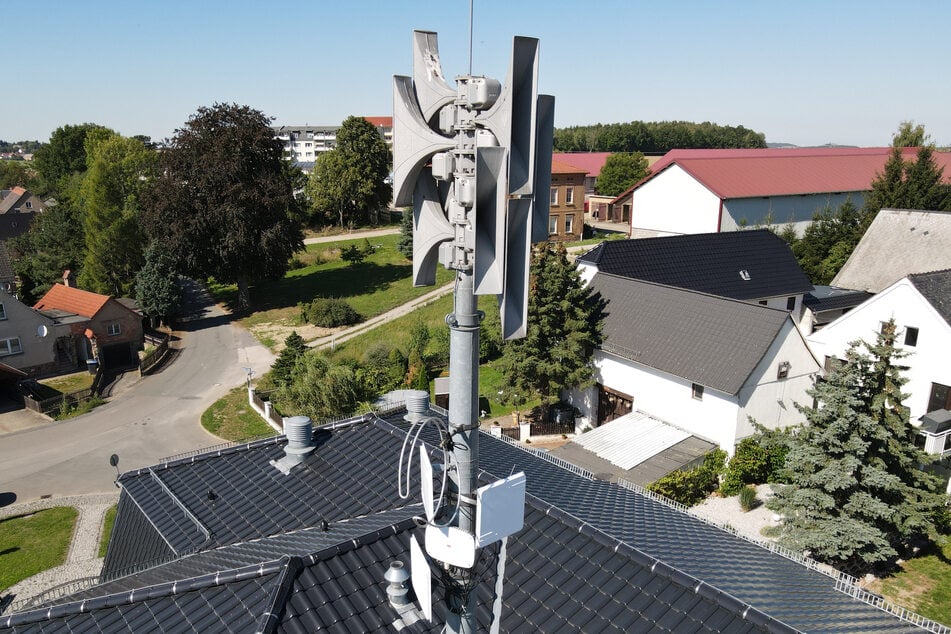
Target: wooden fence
152,359
54,403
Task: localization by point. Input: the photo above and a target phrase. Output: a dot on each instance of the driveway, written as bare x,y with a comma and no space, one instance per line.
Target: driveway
156,417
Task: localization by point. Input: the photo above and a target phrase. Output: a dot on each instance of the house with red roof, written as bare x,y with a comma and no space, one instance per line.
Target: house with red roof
112,331
701,191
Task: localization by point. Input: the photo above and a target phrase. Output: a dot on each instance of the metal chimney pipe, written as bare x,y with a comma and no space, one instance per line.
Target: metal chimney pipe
397,590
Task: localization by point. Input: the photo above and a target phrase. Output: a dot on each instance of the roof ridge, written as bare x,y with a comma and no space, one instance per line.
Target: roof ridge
754,307
165,589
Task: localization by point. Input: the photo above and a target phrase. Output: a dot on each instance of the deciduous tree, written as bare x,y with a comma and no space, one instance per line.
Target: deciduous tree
320,388
349,182
119,168
157,290
65,154
857,496
910,135
564,328
224,204
53,245
620,171
828,241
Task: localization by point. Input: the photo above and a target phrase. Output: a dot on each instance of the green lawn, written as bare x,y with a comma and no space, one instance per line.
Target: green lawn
30,544
381,282
107,523
396,333
70,382
923,585
232,418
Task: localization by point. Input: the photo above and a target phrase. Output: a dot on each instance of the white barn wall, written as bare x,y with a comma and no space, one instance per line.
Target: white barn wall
782,210
673,202
771,401
669,398
901,301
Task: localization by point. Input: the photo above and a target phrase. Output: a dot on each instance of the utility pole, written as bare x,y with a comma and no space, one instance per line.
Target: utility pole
471,159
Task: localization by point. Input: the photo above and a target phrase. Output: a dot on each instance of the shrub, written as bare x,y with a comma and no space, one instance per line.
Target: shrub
329,313
693,486
753,463
353,255
748,499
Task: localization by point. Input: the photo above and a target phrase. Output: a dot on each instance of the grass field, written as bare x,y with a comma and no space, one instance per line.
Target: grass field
383,281
30,544
69,382
923,585
232,418
107,523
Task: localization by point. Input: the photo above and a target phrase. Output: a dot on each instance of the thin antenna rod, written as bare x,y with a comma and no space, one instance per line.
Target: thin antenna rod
470,36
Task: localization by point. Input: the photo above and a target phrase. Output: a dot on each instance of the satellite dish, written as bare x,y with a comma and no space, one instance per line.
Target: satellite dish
42,331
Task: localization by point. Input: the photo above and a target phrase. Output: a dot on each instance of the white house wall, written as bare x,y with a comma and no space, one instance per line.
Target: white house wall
670,398
928,361
771,401
782,210
672,203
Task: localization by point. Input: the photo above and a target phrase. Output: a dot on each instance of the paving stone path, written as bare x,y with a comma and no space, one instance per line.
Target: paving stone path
82,560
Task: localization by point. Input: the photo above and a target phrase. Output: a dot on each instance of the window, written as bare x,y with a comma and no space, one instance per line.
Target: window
570,196
783,370
553,196
762,302
113,329
829,363
697,390
940,397
3,312
911,336
29,205
569,223
552,225
790,303
10,346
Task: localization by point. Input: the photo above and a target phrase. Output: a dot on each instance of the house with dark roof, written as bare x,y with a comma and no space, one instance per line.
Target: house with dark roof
920,304
753,266
704,364
899,242
224,541
697,191
112,331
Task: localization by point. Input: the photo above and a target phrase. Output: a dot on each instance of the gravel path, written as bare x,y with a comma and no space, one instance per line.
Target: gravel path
727,512
82,560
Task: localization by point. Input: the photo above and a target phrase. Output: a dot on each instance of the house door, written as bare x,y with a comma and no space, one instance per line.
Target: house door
612,404
625,213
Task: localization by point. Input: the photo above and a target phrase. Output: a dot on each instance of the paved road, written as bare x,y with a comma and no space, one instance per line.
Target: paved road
156,417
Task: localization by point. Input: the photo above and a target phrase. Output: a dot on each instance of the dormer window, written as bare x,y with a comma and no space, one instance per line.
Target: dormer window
744,275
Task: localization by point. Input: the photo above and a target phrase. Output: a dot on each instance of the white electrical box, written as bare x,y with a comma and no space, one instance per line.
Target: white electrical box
500,510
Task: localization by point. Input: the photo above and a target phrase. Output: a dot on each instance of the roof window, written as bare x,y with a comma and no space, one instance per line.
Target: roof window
744,275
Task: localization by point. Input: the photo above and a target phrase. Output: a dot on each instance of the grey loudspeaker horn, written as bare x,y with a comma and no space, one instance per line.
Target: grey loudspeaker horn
414,142
489,212
432,91
512,118
544,140
430,228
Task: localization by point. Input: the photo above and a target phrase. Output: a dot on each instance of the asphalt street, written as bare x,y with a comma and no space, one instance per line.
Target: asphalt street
157,416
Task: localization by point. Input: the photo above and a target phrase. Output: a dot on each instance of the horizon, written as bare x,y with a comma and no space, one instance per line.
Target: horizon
808,74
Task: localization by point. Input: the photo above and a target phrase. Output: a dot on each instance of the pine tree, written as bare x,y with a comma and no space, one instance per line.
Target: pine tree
156,286
857,496
405,245
294,348
564,328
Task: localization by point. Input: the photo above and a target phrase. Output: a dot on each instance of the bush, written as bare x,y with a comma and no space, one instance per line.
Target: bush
329,313
753,463
748,499
353,255
693,486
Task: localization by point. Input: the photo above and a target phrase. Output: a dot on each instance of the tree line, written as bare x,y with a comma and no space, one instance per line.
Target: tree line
219,199
654,137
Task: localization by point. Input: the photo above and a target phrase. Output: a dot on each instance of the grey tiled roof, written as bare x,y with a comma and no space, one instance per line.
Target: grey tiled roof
704,339
593,556
833,298
707,262
936,288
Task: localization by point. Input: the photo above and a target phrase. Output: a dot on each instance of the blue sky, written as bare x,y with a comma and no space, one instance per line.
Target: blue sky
804,72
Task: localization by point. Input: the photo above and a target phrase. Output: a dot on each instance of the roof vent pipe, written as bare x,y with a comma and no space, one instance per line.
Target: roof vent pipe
417,405
300,442
397,590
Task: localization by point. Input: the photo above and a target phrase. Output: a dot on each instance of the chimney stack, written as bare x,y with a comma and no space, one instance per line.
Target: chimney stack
68,279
